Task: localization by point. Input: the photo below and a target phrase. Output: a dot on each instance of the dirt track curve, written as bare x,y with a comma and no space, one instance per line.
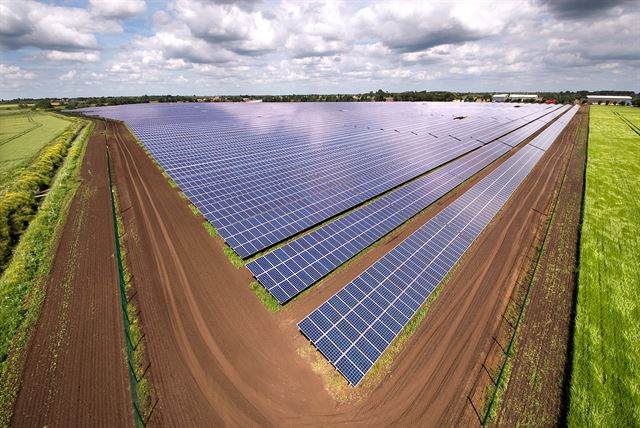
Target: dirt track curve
218,357
75,373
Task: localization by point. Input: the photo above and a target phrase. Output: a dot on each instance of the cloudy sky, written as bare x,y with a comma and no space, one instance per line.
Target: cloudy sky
133,47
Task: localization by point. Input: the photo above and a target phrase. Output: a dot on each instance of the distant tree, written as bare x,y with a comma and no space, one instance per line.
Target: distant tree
44,104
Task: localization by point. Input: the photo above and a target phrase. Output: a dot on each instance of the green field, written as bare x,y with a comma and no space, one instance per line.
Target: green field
605,382
23,134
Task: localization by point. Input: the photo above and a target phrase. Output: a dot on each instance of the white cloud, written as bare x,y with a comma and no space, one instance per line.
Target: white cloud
118,9
233,27
15,73
70,75
226,46
418,26
30,23
14,78
92,56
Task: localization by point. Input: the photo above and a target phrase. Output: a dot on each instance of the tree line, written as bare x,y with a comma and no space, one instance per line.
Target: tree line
379,95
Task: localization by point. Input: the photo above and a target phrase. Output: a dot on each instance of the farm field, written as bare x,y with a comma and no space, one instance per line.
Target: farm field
606,365
212,344
23,134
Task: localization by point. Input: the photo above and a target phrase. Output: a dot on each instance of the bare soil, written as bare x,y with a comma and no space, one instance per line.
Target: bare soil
539,378
218,357
75,370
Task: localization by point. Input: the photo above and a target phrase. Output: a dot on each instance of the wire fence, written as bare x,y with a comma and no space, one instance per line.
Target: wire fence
139,418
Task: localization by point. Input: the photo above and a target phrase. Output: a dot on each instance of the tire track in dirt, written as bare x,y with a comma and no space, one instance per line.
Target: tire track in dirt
75,370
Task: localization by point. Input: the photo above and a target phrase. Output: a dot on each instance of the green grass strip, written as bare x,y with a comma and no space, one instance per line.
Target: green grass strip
265,297
19,202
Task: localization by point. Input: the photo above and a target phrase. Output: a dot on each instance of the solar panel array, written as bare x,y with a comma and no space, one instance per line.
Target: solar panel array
355,326
546,138
292,268
261,173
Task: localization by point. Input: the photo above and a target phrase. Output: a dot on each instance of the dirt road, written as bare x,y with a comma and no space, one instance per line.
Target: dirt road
75,372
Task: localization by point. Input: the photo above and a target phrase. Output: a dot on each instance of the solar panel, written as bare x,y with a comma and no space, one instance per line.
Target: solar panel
292,268
519,135
261,173
355,326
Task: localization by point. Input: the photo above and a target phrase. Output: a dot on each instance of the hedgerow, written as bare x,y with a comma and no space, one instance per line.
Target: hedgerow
19,201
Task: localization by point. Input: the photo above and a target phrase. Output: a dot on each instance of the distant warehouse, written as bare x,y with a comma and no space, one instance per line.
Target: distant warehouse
501,98
609,99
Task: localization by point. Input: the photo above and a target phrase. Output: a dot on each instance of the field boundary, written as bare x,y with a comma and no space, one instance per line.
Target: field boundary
568,370
20,199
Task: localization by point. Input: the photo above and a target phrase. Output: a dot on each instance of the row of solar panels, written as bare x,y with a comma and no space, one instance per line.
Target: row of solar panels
292,268
304,201
263,179
354,327
229,116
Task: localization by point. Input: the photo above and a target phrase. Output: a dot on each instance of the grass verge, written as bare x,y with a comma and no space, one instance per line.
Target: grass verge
23,283
267,299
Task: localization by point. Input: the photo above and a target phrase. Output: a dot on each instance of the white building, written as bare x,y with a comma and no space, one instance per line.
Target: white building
609,99
524,97
500,98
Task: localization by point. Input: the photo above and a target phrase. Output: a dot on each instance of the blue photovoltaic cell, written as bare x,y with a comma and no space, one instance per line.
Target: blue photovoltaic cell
386,295
263,172
294,267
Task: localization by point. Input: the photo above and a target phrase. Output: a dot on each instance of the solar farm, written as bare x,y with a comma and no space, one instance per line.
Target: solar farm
349,214
298,190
